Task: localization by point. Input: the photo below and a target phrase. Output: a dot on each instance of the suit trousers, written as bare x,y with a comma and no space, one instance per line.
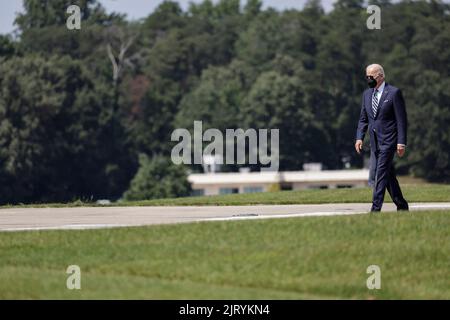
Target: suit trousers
372,169
385,178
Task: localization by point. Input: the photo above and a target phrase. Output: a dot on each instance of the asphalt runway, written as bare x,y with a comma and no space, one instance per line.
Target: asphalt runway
23,219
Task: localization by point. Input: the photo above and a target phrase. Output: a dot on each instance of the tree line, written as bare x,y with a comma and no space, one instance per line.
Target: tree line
88,114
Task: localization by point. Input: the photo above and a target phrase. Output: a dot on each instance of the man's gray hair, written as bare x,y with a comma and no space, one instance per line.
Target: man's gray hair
377,67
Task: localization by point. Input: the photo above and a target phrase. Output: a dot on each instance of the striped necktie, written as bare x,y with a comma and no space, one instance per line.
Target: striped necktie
375,103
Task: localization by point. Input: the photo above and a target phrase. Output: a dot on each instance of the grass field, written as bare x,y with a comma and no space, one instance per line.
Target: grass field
412,192
303,258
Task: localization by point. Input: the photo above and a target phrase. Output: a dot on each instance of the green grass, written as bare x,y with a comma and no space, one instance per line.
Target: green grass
302,258
412,192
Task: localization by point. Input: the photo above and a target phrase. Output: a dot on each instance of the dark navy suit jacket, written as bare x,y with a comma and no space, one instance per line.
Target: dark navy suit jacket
389,126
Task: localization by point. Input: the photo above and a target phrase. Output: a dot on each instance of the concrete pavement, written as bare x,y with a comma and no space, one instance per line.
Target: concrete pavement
22,219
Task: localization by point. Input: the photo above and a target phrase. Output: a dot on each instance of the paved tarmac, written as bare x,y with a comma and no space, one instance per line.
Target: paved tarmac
22,219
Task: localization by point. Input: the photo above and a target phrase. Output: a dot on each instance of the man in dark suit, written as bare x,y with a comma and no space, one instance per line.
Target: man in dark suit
383,112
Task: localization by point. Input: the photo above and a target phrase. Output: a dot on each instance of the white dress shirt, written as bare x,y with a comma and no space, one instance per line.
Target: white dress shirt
380,91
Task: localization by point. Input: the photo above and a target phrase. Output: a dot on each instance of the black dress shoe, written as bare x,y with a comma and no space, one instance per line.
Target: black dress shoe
402,205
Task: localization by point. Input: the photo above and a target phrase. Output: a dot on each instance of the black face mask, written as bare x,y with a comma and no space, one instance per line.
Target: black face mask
371,82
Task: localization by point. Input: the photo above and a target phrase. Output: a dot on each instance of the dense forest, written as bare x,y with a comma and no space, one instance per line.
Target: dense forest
84,111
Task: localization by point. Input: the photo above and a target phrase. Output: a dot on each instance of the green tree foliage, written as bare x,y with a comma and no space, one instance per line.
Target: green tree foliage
275,101
44,13
43,27
429,131
158,178
182,47
7,47
217,100
54,132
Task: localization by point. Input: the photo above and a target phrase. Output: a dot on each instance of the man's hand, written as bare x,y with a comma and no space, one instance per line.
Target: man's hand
401,150
358,146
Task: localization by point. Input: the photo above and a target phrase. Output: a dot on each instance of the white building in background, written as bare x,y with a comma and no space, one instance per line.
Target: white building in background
248,182
211,164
